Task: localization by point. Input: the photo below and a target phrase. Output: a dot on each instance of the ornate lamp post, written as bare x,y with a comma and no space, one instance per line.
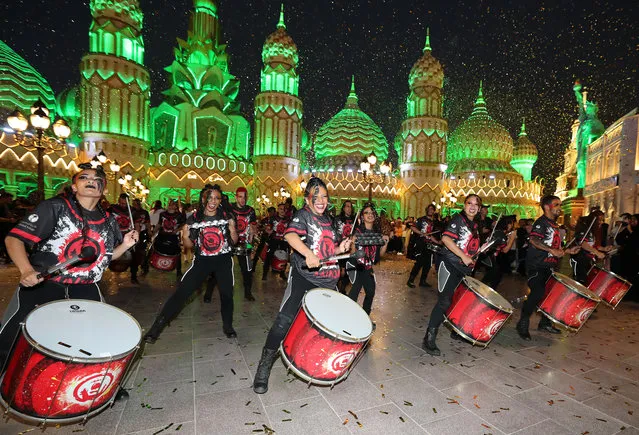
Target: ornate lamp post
367,169
114,166
40,121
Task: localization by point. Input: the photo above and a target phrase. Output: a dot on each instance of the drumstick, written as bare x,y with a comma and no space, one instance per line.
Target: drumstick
495,227
128,204
354,223
483,249
594,218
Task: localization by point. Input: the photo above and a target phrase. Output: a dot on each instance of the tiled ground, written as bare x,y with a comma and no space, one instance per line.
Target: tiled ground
197,381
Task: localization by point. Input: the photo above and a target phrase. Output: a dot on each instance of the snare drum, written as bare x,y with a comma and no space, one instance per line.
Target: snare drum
477,312
68,361
279,261
610,287
166,252
567,302
327,336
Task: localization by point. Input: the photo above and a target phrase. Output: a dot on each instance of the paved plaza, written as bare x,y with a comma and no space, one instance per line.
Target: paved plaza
195,380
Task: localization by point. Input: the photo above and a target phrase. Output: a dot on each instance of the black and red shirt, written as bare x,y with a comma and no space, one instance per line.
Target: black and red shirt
547,231
279,225
321,237
122,217
54,232
344,225
465,233
210,234
170,223
588,238
245,218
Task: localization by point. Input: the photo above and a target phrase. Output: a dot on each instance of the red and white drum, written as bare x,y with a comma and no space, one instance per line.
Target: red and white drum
610,287
327,336
567,302
166,252
68,361
279,261
477,312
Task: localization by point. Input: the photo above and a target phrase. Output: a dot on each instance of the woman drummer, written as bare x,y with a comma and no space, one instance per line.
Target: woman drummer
461,243
57,230
362,273
211,233
313,238
344,223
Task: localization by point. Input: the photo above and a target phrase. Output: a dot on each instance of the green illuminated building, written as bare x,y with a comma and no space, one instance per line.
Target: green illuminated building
524,154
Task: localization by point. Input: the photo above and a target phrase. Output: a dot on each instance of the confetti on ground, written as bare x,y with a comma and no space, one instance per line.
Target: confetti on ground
383,412
252,423
359,424
302,406
477,406
286,411
486,426
247,403
402,419
353,414
407,403
287,419
174,390
233,371
345,421
435,410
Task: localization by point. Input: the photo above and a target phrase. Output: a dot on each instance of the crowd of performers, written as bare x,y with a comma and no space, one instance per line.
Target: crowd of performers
309,238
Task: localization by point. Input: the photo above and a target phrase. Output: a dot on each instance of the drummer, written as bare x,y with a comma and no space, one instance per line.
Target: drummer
276,240
542,258
211,231
58,229
122,214
313,238
170,224
592,245
424,227
344,223
246,229
461,243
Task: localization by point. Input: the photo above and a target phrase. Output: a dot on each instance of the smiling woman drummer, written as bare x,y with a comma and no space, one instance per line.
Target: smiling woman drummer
57,230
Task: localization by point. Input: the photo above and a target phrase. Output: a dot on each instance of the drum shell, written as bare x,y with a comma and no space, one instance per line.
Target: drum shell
474,317
608,286
163,263
167,244
123,263
316,355
279,261
566,305
40,386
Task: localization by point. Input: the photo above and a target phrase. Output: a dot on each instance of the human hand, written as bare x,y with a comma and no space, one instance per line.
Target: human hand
346,244
312,261
30,278
557,252
131,238
467,260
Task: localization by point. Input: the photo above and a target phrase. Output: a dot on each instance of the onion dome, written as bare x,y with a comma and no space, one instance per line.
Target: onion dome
348,137
479,143
279,46
427,71
20,84
524,154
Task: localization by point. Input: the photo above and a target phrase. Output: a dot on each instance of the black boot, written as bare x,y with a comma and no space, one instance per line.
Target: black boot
429,344
249,296
546,325
229,331
260,384
522,328
410,282
152,335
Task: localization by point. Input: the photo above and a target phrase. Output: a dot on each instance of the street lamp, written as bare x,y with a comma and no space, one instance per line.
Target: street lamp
367,167
40,121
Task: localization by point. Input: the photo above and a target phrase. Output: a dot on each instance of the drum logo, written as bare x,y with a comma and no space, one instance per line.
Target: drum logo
92,386
340,361
495,327
76,309
585,313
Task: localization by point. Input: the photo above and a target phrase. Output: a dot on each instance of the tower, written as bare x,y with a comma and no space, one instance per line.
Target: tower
524,154
423,135
278,115
114,88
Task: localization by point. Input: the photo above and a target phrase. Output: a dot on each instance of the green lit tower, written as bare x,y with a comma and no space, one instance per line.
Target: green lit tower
201,111
278,115
423,135
115,86
524,154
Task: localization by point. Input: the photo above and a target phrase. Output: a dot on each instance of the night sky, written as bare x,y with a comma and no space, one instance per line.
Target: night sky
528,54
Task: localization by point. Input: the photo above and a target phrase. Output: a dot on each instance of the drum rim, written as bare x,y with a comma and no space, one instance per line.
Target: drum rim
507,310
562,279
54,354
306,378
611,273
327,330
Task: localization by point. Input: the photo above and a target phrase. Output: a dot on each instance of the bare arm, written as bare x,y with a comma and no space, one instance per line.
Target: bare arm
452,247
233,231
130,239
510,242
538,244
18,254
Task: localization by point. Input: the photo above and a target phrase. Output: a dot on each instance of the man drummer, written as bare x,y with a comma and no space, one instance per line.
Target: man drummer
425,228
122,214
542,258
169,226
57,230
246,228
461,243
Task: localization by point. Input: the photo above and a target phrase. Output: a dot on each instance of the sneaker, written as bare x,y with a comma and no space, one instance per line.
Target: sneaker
400,253
410,284
135,281
230,332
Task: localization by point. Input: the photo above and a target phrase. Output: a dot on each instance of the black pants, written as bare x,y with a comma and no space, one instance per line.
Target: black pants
273,245
537,282
423,262
448,278
246,267
364,278
138,256
258,252
495,272
200,270
26,299
580,267
295,290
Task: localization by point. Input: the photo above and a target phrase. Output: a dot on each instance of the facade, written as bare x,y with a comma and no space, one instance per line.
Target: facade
197,134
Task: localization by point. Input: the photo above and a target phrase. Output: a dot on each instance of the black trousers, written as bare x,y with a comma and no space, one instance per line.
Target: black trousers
364,278
448,278
580,267
537,282
246,267
200,270
26,299
495,272
295,290
423,262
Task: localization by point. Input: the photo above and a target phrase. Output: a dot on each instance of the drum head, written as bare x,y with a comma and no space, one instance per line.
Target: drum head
488,294
82,329
338,314
576,286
